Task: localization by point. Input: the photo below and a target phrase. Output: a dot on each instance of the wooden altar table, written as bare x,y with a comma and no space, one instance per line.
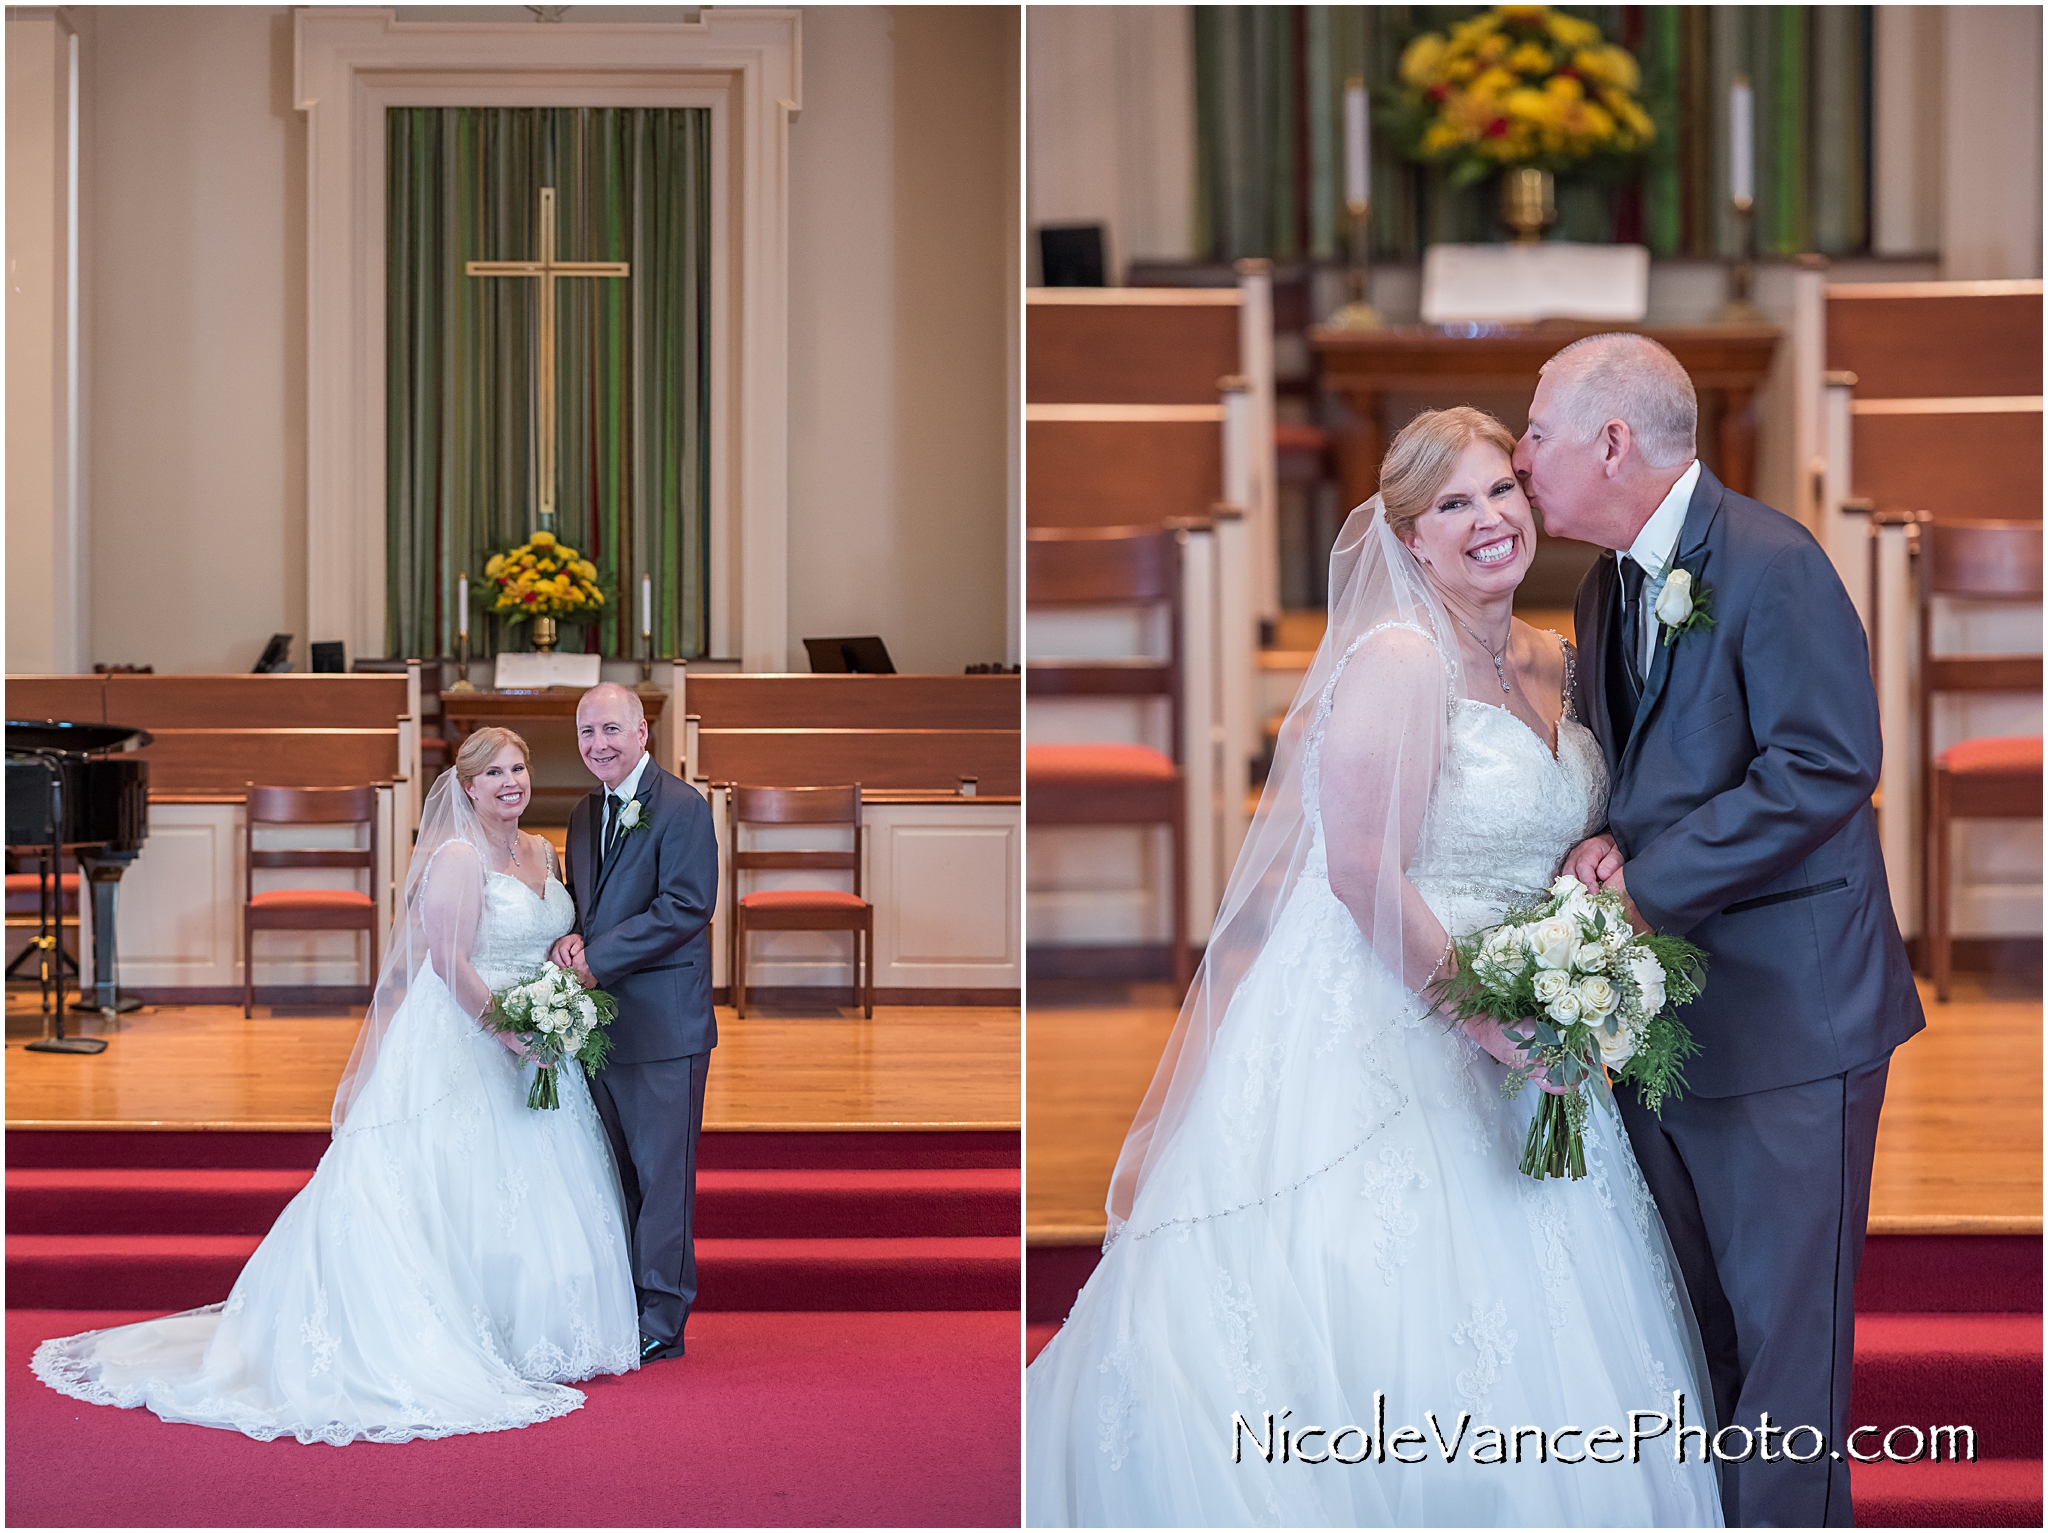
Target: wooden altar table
1451,363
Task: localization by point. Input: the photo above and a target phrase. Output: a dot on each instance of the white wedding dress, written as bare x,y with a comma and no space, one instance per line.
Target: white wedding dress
455,1262
1419,1263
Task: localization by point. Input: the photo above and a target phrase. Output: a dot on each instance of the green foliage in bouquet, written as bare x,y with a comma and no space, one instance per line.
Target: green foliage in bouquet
556,1019
1581,992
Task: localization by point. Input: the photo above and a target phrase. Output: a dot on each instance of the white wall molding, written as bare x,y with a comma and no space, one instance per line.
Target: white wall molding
745,65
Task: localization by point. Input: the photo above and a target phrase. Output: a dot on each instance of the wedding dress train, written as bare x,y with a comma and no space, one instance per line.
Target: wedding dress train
1411,1270
456,1261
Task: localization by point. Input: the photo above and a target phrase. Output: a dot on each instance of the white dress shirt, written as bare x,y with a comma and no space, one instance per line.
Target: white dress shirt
620,795
1653,550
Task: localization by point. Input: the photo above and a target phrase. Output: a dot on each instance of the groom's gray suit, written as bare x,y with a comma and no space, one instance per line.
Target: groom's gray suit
644,913
1741,803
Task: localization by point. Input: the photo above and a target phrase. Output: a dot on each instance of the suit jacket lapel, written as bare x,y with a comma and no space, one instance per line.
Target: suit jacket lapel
1592,645
594,861
1699,516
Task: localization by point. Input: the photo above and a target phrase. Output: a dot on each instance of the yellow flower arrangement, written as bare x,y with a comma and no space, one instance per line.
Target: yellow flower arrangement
544,577
1520,85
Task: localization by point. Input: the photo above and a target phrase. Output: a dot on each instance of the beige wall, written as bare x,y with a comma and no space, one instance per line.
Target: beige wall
45,517
903,178
903,172
197,372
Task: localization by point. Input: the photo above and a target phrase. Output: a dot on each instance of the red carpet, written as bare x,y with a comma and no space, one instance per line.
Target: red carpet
91,1224
1948,1333
853,1353
815,1420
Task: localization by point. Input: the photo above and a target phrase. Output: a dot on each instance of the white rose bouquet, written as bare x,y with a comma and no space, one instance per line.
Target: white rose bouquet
1581,992
555,1018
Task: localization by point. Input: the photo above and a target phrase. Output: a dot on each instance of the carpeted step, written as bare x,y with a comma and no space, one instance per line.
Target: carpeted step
125,1201
160,1272
772,1204
1996,1273
173,1272
718,1150
1991,1493
957,1273
1975,1370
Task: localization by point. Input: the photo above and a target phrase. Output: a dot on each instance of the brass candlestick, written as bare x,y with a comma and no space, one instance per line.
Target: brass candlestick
647,663
1739,309
461,663
1356,313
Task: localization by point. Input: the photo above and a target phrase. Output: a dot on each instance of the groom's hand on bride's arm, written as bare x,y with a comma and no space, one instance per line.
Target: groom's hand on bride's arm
1594,861
1618,884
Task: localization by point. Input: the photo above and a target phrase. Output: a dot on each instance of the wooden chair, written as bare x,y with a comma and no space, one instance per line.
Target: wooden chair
306,909
1112,784
1996,777
798,910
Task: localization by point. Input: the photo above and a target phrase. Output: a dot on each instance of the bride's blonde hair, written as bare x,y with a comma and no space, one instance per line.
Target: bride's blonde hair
481,749
1423,456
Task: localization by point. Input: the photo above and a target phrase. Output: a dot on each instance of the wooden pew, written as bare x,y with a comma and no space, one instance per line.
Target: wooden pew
1121,466
1130,345
905,733
212,736
943,870
1931,411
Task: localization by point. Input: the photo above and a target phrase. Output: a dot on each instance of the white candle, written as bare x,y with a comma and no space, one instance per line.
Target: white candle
462,603
1741,141
646,605
1357,146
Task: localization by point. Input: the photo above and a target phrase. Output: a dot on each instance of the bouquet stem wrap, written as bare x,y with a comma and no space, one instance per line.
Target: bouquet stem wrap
554,1018
1579,993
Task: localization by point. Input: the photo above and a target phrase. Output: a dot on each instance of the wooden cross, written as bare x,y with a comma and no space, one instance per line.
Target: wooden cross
547,268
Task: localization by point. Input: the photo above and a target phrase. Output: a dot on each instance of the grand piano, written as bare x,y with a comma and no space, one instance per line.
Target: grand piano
76,788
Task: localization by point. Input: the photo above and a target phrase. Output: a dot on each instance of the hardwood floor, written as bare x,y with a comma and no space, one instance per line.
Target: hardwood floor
1958,1148
912,1067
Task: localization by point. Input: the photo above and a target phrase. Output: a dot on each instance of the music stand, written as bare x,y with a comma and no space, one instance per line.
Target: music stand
330,659
50,933
277,656
866,655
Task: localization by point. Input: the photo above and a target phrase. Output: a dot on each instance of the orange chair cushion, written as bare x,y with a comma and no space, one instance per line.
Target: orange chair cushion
1074,765
802,899
311,899
31,883
1994,756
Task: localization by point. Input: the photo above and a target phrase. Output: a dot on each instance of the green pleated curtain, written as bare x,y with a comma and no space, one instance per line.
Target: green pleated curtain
1269,105
633,402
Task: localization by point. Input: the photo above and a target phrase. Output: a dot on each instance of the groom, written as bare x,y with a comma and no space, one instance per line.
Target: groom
643,866
1743,751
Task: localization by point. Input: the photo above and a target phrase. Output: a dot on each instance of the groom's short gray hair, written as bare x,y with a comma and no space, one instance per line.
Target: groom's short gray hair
1628,377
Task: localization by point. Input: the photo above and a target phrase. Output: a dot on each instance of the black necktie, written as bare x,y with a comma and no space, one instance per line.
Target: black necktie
1624,687
611,824
1632,625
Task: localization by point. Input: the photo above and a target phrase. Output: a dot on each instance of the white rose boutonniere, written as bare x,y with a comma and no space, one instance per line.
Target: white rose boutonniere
1679,600
632,817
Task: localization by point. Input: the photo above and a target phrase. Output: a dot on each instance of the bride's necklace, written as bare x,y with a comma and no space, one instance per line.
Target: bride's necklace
512,851
1500,661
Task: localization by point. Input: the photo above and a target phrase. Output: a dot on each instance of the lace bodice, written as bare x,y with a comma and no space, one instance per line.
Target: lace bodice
517,928
1505,813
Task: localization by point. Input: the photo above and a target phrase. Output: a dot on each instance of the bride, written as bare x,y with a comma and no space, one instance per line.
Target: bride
1317,1222
458,1258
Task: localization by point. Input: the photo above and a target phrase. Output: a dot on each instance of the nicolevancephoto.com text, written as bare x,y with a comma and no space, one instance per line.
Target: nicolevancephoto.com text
1275,1441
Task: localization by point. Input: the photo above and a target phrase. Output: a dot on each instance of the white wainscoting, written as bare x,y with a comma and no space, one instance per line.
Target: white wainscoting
179,912
943,878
